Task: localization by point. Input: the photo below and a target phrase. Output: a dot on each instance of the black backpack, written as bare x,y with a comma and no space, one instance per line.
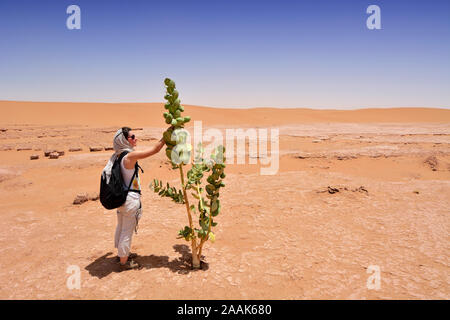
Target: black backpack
113,194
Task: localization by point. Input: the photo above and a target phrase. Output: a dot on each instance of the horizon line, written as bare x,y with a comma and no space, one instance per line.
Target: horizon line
235,107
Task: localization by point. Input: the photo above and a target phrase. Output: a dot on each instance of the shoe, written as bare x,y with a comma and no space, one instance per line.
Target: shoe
130,264
130,256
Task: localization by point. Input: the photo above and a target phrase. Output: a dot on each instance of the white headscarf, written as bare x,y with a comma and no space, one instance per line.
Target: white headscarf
120,144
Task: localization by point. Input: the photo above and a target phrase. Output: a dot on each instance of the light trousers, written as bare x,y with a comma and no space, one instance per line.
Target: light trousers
128,216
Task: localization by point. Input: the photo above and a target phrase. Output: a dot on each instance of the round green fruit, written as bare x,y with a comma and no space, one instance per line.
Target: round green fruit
167,138
210,189
168,82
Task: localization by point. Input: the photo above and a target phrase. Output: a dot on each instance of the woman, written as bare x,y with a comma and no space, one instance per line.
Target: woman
130,212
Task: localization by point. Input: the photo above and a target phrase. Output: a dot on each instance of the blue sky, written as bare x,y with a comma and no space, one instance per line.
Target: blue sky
227,53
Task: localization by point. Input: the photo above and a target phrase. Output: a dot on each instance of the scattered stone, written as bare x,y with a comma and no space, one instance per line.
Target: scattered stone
257,157
316,141
54,155
416,192
134,129
336,189
332,190
93,196
94,149
60,153
6,148
34,157
24,148
109,148
432,162
48,152
81,198
360,189
75,149
3,129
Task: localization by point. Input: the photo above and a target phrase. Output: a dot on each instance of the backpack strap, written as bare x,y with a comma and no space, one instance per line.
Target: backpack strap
131,181
136,166
135,173
123,154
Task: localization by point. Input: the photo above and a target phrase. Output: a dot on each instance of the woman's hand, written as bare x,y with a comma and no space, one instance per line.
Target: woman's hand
160,144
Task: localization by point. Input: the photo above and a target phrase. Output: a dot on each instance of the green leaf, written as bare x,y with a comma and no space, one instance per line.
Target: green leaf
217,211
214,204
185,233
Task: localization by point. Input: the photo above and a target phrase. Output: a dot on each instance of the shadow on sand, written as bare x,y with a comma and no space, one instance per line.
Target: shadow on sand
107,264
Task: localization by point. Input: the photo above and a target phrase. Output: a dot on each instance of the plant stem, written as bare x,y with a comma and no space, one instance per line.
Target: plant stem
200,198
207,235
186,201
195,257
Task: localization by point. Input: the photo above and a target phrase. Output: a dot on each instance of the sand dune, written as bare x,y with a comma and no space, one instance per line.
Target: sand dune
150,114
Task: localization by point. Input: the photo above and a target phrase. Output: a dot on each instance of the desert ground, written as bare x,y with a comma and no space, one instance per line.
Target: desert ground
354,189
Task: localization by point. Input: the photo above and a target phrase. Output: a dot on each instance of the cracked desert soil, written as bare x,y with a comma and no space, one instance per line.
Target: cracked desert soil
282,236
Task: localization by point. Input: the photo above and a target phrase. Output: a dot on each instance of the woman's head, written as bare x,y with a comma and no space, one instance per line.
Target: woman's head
130,136
124,140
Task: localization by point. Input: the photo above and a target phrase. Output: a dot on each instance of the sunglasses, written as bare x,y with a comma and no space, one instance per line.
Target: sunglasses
132,136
